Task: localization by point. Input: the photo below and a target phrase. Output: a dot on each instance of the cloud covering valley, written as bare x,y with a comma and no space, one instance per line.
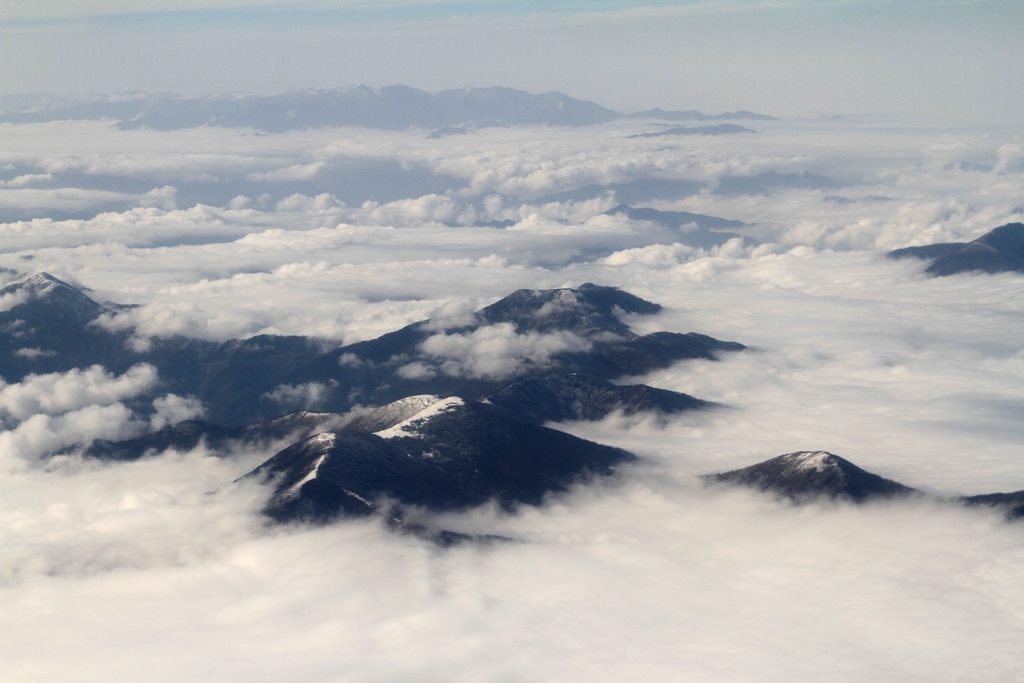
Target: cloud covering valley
652,574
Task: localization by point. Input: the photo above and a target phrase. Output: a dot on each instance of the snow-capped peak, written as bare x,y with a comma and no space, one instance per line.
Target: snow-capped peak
812,460
410,426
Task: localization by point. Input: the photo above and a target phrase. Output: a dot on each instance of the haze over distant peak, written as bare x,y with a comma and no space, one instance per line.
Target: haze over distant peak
392,107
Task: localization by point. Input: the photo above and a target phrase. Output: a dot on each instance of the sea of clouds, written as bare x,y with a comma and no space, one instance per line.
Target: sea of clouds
163,569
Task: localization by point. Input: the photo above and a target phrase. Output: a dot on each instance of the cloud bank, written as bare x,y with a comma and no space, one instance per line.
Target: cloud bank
653,575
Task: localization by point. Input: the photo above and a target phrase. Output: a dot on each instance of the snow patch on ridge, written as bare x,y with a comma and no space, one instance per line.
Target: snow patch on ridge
410,426
324,441
811,460
377,419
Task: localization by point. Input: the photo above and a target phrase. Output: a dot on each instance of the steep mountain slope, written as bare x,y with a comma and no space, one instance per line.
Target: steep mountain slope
558,331
553,398
45,327
50,326
1011,503
997,251
809,475
560,398
449,455
812,474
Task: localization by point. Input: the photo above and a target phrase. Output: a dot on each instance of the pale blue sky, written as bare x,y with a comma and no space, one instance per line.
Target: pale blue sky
944,60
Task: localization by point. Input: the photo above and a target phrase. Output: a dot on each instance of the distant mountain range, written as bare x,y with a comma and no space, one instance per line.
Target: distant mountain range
997,251
720,129
394,107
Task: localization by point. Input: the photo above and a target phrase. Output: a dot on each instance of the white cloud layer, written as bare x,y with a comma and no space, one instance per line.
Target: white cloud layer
652,576
55,393
172,409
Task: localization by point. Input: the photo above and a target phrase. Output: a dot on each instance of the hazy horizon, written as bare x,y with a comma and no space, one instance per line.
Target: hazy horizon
931,60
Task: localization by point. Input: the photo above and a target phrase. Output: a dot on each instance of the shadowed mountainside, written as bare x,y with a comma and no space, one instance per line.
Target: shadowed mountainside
1000,250
50,326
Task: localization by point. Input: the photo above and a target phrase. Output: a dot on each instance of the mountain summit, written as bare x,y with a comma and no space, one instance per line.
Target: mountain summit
811,474
448,455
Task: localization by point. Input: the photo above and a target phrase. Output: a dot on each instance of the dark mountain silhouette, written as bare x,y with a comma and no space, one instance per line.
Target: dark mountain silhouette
372,371
48,330
52,327
451,455
998,251
928,252
539,400
1012,503
814,474
808,475
559,398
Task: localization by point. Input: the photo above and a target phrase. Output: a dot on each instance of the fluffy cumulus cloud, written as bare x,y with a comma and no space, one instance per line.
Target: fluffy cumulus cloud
651,575
307,396
172,409
492,351
56,392
45,414
12,299
43,434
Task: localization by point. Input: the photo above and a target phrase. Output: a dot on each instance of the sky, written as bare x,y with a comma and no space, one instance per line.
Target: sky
165,569
940,60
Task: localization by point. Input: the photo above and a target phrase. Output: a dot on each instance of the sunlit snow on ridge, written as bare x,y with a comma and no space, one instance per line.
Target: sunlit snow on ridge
409,426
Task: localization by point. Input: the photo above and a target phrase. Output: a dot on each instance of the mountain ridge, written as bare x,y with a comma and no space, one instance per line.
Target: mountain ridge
998,251
244,381
451,455
393,107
